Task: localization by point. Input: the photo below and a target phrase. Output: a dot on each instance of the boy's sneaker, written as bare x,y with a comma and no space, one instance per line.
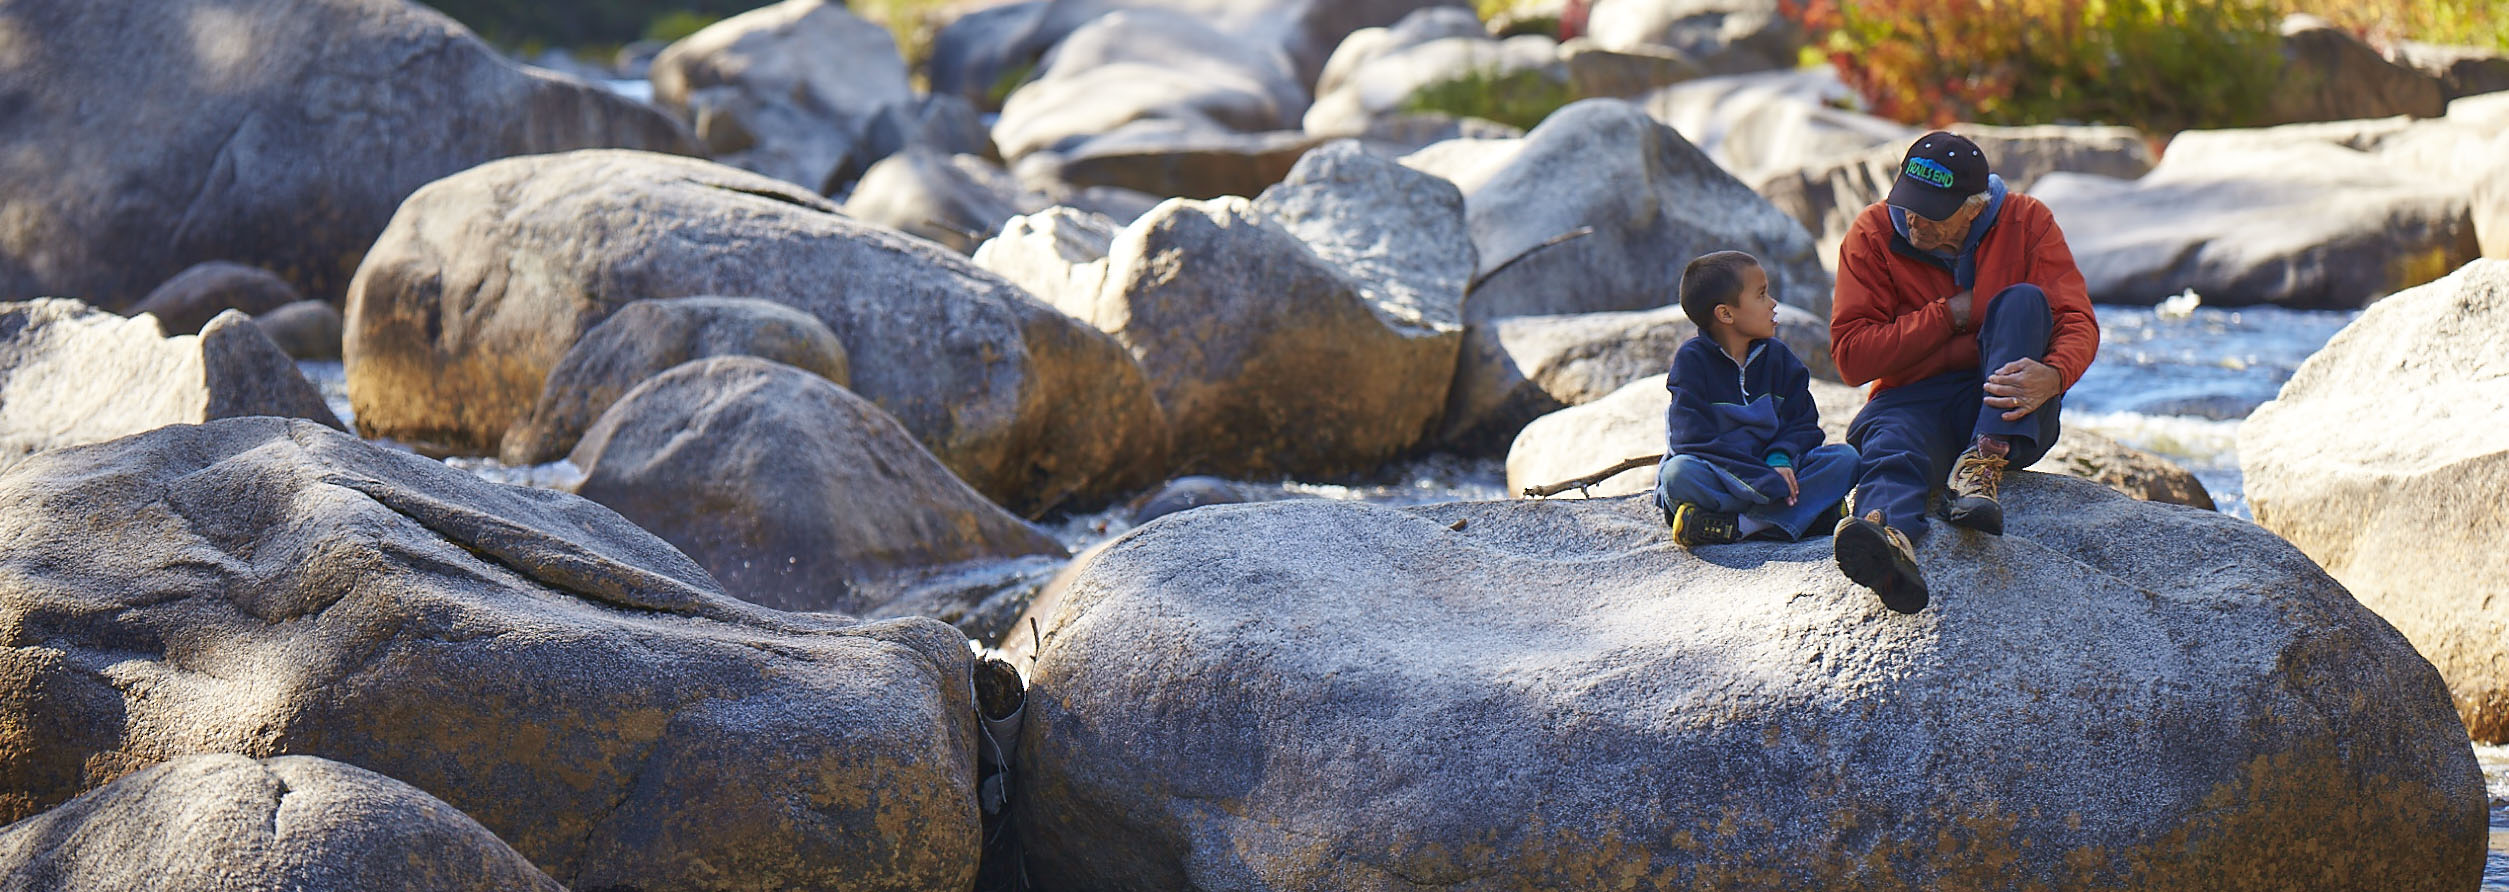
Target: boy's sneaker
1693,525
1975,480
1880,558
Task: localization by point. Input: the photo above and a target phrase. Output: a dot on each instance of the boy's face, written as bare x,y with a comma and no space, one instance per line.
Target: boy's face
1753,314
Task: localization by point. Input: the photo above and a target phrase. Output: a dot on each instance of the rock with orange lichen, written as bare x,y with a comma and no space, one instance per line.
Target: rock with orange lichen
2115,695
225,823
262,587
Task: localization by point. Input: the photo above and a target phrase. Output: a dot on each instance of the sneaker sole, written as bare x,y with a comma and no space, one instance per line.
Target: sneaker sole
1983,515
1868,559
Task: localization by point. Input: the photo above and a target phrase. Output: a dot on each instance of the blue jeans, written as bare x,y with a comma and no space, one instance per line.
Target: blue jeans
1822,477
1909,436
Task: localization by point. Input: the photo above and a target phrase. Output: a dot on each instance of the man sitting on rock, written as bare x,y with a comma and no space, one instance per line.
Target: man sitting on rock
1966,386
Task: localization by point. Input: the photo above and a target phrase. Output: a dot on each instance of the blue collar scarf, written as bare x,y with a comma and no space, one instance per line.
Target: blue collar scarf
1964,265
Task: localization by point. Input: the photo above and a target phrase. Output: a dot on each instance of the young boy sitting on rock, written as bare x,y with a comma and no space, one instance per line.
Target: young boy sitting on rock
1744,456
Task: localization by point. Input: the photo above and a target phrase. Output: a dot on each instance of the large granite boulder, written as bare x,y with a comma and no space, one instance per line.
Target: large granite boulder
1514,370
1399,233
1172,159
648,337
787,90
1267,358
2287,216
788,488
73,374
1652,200
1724,36
1760,125
956,201
1312,693
1058,254
143,139
2330,75
1377,74
263,587
2383,460
1825,196
226,823
1149,64
486,279
189,300
1629,423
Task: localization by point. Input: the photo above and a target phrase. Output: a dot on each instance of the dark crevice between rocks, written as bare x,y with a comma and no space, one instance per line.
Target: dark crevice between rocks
1000,699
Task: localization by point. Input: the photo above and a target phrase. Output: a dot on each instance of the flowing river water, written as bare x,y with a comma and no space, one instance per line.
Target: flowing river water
2174,380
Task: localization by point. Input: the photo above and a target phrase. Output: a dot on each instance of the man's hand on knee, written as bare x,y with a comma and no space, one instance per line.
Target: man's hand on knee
2022,386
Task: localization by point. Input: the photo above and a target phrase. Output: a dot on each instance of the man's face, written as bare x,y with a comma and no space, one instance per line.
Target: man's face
1941,235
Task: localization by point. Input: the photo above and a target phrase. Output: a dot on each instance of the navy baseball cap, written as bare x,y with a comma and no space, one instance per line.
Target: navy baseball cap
1941,171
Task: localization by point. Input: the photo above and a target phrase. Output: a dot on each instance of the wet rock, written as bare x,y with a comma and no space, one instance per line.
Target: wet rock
1058,254
1267,358
72,374
1826,196
2383,460
786,90
274,133
1757,125
188,301
1317,693
1724,36
1577,170
648,337
1149,64
2263,216
1025,404
2330,75
1515,370
1168,159
226,823
306,329
785,486
260,586
1629,423
2462,70
956,201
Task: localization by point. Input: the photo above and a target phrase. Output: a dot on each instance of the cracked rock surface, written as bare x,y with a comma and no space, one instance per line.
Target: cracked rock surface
259,586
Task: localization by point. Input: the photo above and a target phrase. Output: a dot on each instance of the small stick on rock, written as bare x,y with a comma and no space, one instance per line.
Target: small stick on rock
1580,484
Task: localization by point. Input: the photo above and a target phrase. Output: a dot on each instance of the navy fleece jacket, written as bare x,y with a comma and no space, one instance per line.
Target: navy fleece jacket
1747,419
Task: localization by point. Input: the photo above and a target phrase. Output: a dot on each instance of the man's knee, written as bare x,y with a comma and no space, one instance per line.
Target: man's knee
2025,299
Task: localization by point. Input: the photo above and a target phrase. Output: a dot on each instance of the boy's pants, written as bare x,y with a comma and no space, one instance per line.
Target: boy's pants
1822,477
1909,436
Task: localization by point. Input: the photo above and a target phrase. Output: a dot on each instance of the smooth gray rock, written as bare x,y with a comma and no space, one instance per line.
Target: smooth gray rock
1512,371
1595,71
788,90
2330,75
942,123
262,586
1149,64
983,55
189,300
226,823
1826,196
2266,216
1759,125
955,201
1629,423
1025,404
306,329
648,337
1653,200
1397,232
1169,159
2383,460
984,599
1058,254
1389,72
787,487
1724,36
1314,693
72,374
143,139
1267,358
1366,45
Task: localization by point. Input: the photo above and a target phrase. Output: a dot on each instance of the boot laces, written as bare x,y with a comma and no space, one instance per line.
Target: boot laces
1978,475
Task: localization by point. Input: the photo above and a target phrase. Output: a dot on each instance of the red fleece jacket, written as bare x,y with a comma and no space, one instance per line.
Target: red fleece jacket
1890,321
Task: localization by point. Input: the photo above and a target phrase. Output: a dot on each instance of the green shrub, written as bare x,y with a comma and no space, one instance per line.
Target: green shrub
2161,65
2482,23
1518,99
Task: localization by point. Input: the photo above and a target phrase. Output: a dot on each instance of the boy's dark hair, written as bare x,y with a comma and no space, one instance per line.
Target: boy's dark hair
1712,281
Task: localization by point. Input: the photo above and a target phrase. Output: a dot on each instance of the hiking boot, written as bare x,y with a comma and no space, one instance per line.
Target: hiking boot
1693,525
1880,558
1975,480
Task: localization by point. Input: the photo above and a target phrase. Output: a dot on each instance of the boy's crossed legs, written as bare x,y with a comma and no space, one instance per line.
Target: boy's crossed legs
1705,505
